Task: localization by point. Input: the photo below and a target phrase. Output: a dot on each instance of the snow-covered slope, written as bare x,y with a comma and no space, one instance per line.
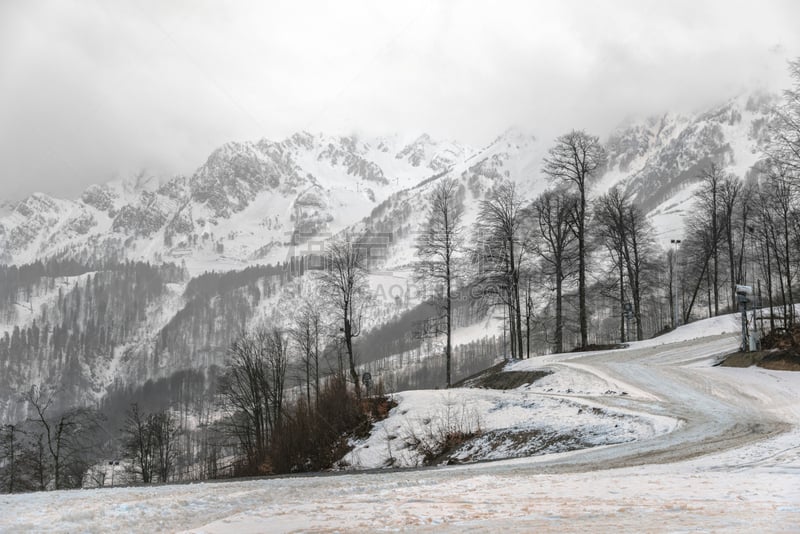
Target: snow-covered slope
731,465
657,161
243,205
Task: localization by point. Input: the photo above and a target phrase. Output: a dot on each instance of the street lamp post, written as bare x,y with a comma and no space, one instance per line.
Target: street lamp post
675,246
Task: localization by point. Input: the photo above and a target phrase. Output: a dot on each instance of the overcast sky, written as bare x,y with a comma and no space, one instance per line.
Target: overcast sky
93,89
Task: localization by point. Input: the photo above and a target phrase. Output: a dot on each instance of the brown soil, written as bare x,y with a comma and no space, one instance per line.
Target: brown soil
777,360
595,347
781,360
495,378
742,359
780,352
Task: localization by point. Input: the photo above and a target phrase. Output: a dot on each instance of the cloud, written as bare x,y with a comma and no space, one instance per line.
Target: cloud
92,89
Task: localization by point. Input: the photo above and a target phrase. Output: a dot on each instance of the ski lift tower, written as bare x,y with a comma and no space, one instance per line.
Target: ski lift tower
743,294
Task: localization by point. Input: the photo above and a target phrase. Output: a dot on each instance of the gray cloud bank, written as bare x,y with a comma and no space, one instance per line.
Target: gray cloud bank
90,89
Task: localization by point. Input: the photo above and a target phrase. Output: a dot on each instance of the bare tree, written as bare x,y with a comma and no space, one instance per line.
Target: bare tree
253,391
36,459
344,281
500,250
783,188
764,229
10,451
164,429
697,253
627,232
731,202
306,333
611,230
776,196
437,247
709,203
151,440
555,244
577,158
784,147
137,442
65,437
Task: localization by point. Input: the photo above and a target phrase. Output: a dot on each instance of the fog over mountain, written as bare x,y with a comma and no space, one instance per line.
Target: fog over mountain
94,91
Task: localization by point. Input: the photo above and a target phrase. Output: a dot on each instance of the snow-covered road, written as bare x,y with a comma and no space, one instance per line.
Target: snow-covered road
733,463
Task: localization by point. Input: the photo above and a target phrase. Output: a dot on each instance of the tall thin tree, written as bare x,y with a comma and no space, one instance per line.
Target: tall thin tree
577,158
554,242
344,280
500,251
438,245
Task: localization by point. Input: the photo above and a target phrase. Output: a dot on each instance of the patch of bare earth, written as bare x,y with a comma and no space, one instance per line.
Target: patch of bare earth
496,378
781,352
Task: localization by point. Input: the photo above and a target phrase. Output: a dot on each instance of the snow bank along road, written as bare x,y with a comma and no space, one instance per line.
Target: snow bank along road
733,462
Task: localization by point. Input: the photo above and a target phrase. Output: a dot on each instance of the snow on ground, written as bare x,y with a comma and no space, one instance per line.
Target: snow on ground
511,423
669,218
732,463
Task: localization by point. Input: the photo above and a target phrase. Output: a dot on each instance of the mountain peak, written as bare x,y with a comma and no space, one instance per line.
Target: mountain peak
516,135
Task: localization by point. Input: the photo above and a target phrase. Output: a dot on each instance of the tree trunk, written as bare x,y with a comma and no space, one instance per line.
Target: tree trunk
559,309
769,283
449,311
582,272
621,300
528,308
688,309
788,269
779,275
308,379
732,260
348,339
673,294
715,249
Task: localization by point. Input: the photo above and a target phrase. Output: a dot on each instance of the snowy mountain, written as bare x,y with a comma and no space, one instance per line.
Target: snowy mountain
248,199
658,160
242,205
254,203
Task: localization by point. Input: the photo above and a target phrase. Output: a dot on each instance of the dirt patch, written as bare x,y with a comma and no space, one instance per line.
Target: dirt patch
510,379
451,443
741,359
594,347
781,360
495,378
777,360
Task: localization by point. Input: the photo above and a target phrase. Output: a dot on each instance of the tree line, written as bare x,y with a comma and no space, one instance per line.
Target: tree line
740,230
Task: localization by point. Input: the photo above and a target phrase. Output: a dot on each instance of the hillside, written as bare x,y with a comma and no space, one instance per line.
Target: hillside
252,208
728,461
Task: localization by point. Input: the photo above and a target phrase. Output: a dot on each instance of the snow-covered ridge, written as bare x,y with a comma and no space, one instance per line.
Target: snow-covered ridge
248,198
243,204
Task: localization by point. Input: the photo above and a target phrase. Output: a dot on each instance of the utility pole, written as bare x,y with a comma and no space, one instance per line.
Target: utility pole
743,294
